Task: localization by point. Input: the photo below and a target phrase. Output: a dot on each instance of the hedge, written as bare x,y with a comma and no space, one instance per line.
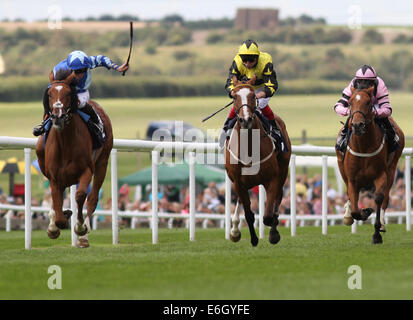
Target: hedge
32,88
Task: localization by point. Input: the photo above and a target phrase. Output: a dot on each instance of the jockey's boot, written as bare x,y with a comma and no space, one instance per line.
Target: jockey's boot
342,139
341,144
276,134
224,132
94,117
40,129
392,137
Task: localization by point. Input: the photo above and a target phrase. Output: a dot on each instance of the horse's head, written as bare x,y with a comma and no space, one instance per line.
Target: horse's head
245,102
61,100
361,110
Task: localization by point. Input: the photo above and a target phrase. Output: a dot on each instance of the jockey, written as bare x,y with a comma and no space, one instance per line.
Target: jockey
80,63
248,62
366,77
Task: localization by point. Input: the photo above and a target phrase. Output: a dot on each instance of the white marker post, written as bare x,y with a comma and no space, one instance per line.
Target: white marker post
27,199
324,196
114,183
155,160
227,206
191,196
73,218
293,196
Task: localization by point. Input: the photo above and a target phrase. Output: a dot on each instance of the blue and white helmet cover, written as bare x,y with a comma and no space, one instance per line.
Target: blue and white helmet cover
78,60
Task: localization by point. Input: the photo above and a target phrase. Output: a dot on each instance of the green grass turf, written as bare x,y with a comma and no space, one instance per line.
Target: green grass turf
308,266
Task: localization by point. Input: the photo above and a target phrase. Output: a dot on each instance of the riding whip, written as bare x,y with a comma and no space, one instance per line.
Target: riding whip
210,116
130,46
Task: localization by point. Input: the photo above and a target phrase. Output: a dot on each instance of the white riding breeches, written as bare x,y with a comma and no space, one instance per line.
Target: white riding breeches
83,98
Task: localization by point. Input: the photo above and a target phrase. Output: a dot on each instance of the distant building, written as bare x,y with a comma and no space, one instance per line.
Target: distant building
256,19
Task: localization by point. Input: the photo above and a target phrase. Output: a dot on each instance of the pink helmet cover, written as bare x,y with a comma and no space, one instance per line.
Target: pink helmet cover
366,72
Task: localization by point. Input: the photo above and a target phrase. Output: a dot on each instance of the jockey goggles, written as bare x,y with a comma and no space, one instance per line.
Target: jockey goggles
83,70
248,57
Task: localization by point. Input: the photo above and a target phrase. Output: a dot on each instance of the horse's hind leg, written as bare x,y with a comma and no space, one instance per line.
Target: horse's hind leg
99,177
381,188
82,226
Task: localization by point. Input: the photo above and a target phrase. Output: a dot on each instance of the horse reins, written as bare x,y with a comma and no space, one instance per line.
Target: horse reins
359,154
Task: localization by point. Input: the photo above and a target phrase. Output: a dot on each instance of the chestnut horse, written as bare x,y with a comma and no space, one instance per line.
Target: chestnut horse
266,166
67,158
367,164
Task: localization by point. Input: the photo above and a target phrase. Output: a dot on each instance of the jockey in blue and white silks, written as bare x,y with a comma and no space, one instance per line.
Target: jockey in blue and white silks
80,63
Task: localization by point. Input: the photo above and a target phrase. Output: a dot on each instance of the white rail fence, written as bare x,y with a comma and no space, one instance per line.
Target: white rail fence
188,148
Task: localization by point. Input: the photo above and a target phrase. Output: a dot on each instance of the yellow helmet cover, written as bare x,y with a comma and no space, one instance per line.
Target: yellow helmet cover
249,47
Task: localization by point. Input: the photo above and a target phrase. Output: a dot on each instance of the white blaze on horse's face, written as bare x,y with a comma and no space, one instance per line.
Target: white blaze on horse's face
243,93
58,104
358,98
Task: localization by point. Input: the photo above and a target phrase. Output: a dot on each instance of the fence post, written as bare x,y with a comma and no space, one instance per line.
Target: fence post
293,196
114,182
324,224
8,220
155,160
262,198
73,218
27,198
227,206
191,196
407,175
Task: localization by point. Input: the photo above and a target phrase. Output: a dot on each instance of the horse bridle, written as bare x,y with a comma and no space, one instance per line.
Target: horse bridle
73,104
366,119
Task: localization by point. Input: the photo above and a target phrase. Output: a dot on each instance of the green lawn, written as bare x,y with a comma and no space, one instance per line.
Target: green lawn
308,266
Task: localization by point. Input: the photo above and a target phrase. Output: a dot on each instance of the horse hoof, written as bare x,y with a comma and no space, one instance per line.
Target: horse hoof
53,234
382,228
268,221
274,237
356,215
235,238
254,241
365,213
62,224
80,230
377,239
67,214
348,221
82,243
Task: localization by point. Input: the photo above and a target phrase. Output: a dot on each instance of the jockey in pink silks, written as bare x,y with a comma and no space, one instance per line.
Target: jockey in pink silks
365,78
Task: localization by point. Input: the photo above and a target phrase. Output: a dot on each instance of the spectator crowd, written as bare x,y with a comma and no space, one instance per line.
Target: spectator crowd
211,199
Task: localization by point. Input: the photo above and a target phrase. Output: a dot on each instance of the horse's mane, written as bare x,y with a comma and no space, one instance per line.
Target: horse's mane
62,74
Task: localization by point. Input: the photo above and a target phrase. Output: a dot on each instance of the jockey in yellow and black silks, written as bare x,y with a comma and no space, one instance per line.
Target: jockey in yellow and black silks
249,61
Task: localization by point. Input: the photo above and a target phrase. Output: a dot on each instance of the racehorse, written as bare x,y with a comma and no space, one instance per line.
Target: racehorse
367,164
268,167
67,158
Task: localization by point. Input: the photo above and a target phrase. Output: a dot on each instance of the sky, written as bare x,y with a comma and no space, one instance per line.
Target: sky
383,12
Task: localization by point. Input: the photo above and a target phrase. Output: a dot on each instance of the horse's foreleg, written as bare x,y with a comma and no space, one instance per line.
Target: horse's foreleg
82,227
56,212
381,188
271,191
353,193
249,215
235,234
